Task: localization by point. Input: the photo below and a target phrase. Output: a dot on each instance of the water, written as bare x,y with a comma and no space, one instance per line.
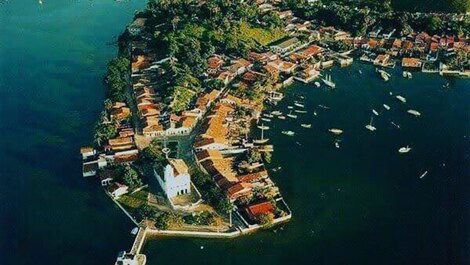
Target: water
362,203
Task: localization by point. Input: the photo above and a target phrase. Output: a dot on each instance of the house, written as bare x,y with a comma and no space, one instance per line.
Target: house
255,210
382,59
137,26
283,66
285,45
174,178
116,190
214,63
239,190
411,63
87,152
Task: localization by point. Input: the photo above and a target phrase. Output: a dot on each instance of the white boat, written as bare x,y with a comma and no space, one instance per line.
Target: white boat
262,140
407,74
300,111
299,105
306,125
390,93
369,126
402,99
424,174
317,84
266,119
323,107
375,112
40,2
262,127
387,107
328,82
276,113
337,144
336,131
446,86
396,125
134,231
267,115
404,150
385,76
314,113
288,133
281,117
360,72
290,115
290,107
414,112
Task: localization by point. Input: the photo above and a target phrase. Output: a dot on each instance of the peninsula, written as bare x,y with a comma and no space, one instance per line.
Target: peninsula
181,145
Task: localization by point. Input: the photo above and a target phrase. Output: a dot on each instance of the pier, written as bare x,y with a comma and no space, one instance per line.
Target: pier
139,241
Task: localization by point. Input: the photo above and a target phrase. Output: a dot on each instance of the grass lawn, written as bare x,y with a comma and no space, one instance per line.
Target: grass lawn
134,200
260,35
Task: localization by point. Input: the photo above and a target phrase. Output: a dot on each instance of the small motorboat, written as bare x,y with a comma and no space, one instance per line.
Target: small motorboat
375,112
337,144
360,72
404,150
281,117
396,125
262,127
134,231
369,126
290,115
288,133
323,107
317,84
414,112
304,125
407,74
300,111
276,113
336,131
266,119
268,115
402,99
314,113
299,105
390,93
424,174
387,107
290,107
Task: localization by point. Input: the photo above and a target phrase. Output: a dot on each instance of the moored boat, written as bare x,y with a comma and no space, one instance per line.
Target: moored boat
414,112
375,112
387,107
404,150
300,111
335,131
402,99
304,125
288,133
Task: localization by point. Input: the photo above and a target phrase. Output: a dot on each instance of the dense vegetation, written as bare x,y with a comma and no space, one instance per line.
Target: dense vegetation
116,77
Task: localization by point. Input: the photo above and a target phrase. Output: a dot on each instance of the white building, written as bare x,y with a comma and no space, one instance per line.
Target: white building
117,190
176,179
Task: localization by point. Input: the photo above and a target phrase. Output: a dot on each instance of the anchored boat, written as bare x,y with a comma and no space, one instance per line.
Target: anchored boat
288,133
369,126
290,115
336,131
404,150
308,126
328,82
375,112
414,112
402,99
387,107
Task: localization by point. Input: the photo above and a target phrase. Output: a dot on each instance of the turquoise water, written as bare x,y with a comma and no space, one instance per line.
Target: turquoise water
362,203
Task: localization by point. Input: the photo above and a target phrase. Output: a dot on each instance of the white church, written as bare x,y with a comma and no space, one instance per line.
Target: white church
176,180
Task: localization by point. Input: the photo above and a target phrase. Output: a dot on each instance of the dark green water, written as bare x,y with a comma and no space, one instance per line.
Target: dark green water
361,204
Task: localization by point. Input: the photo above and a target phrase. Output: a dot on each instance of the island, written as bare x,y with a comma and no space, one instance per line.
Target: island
180,146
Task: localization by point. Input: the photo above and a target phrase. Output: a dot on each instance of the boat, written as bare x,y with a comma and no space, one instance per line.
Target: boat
360,72
424,174
336,131
446,86
261,140
317,84
328,82
300,111
385,76
277,169
323,107
134,231
299,105
407,74
281,117
336,144
276,113
390,93
268,115
396,125
375,112
314,113
387,107
402,99
266,119
262,127
304,125
288,133
369,126
40,2
404,150
414,112
290,107
290,115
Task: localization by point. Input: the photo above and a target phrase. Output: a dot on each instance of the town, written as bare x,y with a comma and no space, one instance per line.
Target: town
180,145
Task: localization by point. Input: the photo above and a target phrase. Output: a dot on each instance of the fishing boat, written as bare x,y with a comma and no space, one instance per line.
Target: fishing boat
402,99
375,112
369,126
385,76
396,125
336,131
261,140
387,107
263,127
268,115
134,231
323,107
414,112
290,115
266,119
288,133
317,84
290,107
281,117
328,82
304,125
424,174
404,150
300,111
276,113
299,105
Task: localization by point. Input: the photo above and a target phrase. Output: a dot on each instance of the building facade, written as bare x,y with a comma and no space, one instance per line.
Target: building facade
176,179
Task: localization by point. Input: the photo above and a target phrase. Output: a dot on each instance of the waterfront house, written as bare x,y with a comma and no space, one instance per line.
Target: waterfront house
255,210
239,190
87,152
285,45
90,169
137,26
174,178
382,60
411,63
116,190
